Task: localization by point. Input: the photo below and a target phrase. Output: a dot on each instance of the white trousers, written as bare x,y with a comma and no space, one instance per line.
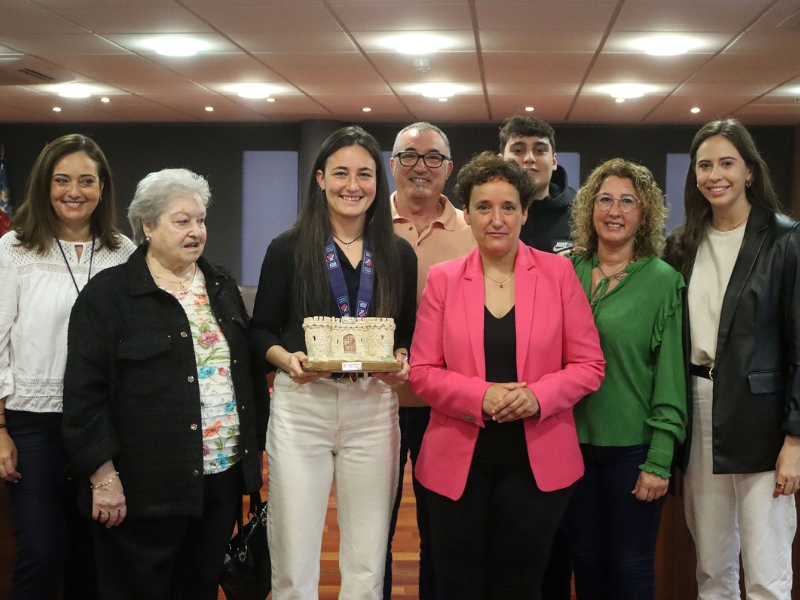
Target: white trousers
729,513
323,432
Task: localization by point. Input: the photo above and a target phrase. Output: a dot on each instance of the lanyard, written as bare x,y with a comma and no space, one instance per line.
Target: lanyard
339,287
66,262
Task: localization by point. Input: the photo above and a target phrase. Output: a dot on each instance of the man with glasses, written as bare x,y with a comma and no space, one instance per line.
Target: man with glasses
425,217
531,142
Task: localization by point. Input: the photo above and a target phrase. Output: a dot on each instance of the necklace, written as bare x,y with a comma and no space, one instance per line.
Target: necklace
619,275
181,283
66,262
500,283
739,224
347,244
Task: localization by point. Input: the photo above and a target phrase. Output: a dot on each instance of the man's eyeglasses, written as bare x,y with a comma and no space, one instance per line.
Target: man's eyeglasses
627,202
432,160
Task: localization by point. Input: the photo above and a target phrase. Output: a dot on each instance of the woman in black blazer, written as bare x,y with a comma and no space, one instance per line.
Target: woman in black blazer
741,260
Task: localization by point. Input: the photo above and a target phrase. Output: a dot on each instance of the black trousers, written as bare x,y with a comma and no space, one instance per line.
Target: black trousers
170,558
493,543
413,422
53,540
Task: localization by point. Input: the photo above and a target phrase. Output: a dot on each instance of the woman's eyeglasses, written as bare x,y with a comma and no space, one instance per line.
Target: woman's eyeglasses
432,160
627,202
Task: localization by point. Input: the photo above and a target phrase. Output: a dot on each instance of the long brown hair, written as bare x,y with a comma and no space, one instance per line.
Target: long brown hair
686,239
35,221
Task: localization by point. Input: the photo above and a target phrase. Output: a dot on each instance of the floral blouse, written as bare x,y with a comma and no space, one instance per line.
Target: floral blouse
219,415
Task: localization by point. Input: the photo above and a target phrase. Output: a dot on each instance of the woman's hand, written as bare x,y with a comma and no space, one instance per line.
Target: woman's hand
502,402
787,467
397,378
8,458
519,403
292,364
108,501
650,487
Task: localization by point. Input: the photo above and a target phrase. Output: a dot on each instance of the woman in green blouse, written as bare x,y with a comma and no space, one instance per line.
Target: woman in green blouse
629,428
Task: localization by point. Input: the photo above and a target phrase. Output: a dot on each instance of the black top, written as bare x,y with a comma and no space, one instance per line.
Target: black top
547,227
501,442
275,317
132,392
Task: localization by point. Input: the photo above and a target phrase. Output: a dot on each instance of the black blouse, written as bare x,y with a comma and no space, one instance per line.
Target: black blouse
275,317
501,443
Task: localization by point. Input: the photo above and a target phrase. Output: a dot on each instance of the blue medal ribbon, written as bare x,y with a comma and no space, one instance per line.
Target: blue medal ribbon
339,287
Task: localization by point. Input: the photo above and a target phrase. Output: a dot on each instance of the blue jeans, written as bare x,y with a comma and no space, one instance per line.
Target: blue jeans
53,540
613,535
413,422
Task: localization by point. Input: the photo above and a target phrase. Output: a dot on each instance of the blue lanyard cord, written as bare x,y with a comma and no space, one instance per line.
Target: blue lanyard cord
66,262
339,287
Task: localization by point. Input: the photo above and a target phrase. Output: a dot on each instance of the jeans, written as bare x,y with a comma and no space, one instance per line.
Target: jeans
323,432
613,535
53,540
413,422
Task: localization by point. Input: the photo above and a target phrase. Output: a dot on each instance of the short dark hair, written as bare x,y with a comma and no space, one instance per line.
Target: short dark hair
519,126
35,221
487,166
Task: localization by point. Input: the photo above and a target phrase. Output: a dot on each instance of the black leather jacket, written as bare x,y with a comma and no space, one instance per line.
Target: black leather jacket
131,388
756,379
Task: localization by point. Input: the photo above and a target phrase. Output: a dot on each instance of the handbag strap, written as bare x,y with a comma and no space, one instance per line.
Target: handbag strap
256,504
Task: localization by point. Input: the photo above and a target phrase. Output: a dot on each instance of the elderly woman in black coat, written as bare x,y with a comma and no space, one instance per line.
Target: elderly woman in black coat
161,418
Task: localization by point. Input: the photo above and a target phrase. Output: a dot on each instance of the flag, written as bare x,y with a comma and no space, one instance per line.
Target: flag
5,200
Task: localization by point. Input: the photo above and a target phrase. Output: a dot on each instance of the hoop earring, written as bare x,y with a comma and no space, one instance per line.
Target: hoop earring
748,183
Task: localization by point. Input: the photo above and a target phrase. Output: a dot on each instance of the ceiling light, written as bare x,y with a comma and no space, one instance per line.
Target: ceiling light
270,99
56,109
695,110
209,109
366,109
529,109
417,43
74,90
666,45
176,46
619,100
437,90
626,90
442,99
252,90
104,99
421,64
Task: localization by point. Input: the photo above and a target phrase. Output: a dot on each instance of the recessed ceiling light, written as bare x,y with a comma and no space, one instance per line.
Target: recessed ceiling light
666,45
626,90
270,99
56,109
695,110
417,43
209,109
619,100
74,90
252,90
104,99
366,109
437,90
443,99
529,108
176,46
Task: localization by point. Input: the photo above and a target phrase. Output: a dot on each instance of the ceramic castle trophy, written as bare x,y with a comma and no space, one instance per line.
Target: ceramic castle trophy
349,344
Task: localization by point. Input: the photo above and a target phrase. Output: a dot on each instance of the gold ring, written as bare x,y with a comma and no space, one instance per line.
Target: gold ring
780,485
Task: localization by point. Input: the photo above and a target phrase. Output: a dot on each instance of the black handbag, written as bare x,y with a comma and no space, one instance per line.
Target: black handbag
247,570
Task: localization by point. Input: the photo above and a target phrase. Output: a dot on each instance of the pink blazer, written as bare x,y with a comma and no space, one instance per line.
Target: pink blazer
558,356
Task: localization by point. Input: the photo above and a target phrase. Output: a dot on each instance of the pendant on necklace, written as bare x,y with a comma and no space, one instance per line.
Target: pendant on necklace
347,246
501,286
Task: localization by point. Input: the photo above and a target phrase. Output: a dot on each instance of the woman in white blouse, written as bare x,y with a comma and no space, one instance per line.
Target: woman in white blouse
64,233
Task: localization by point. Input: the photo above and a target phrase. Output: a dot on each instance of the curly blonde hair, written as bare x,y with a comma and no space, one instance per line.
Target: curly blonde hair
650,238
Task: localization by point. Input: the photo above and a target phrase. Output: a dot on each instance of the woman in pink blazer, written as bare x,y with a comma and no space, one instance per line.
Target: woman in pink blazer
505,344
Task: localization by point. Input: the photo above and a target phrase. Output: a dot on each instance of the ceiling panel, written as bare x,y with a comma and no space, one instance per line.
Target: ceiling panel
688,16
157,19
61,44
535,66
612,68
399,17
267,19
294,41
37,20
540,41
545,17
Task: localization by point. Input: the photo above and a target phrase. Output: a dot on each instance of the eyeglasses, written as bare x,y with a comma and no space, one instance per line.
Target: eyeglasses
627,202
432,160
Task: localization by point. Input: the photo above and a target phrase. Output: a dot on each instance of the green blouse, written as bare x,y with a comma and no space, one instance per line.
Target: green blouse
643,397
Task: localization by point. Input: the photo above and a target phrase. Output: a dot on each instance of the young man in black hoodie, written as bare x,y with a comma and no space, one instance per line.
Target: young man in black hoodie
531,142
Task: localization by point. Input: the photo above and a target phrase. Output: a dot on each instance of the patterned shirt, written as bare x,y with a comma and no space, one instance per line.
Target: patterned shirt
219,415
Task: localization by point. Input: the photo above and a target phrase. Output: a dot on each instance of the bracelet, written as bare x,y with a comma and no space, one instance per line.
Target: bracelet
105,483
